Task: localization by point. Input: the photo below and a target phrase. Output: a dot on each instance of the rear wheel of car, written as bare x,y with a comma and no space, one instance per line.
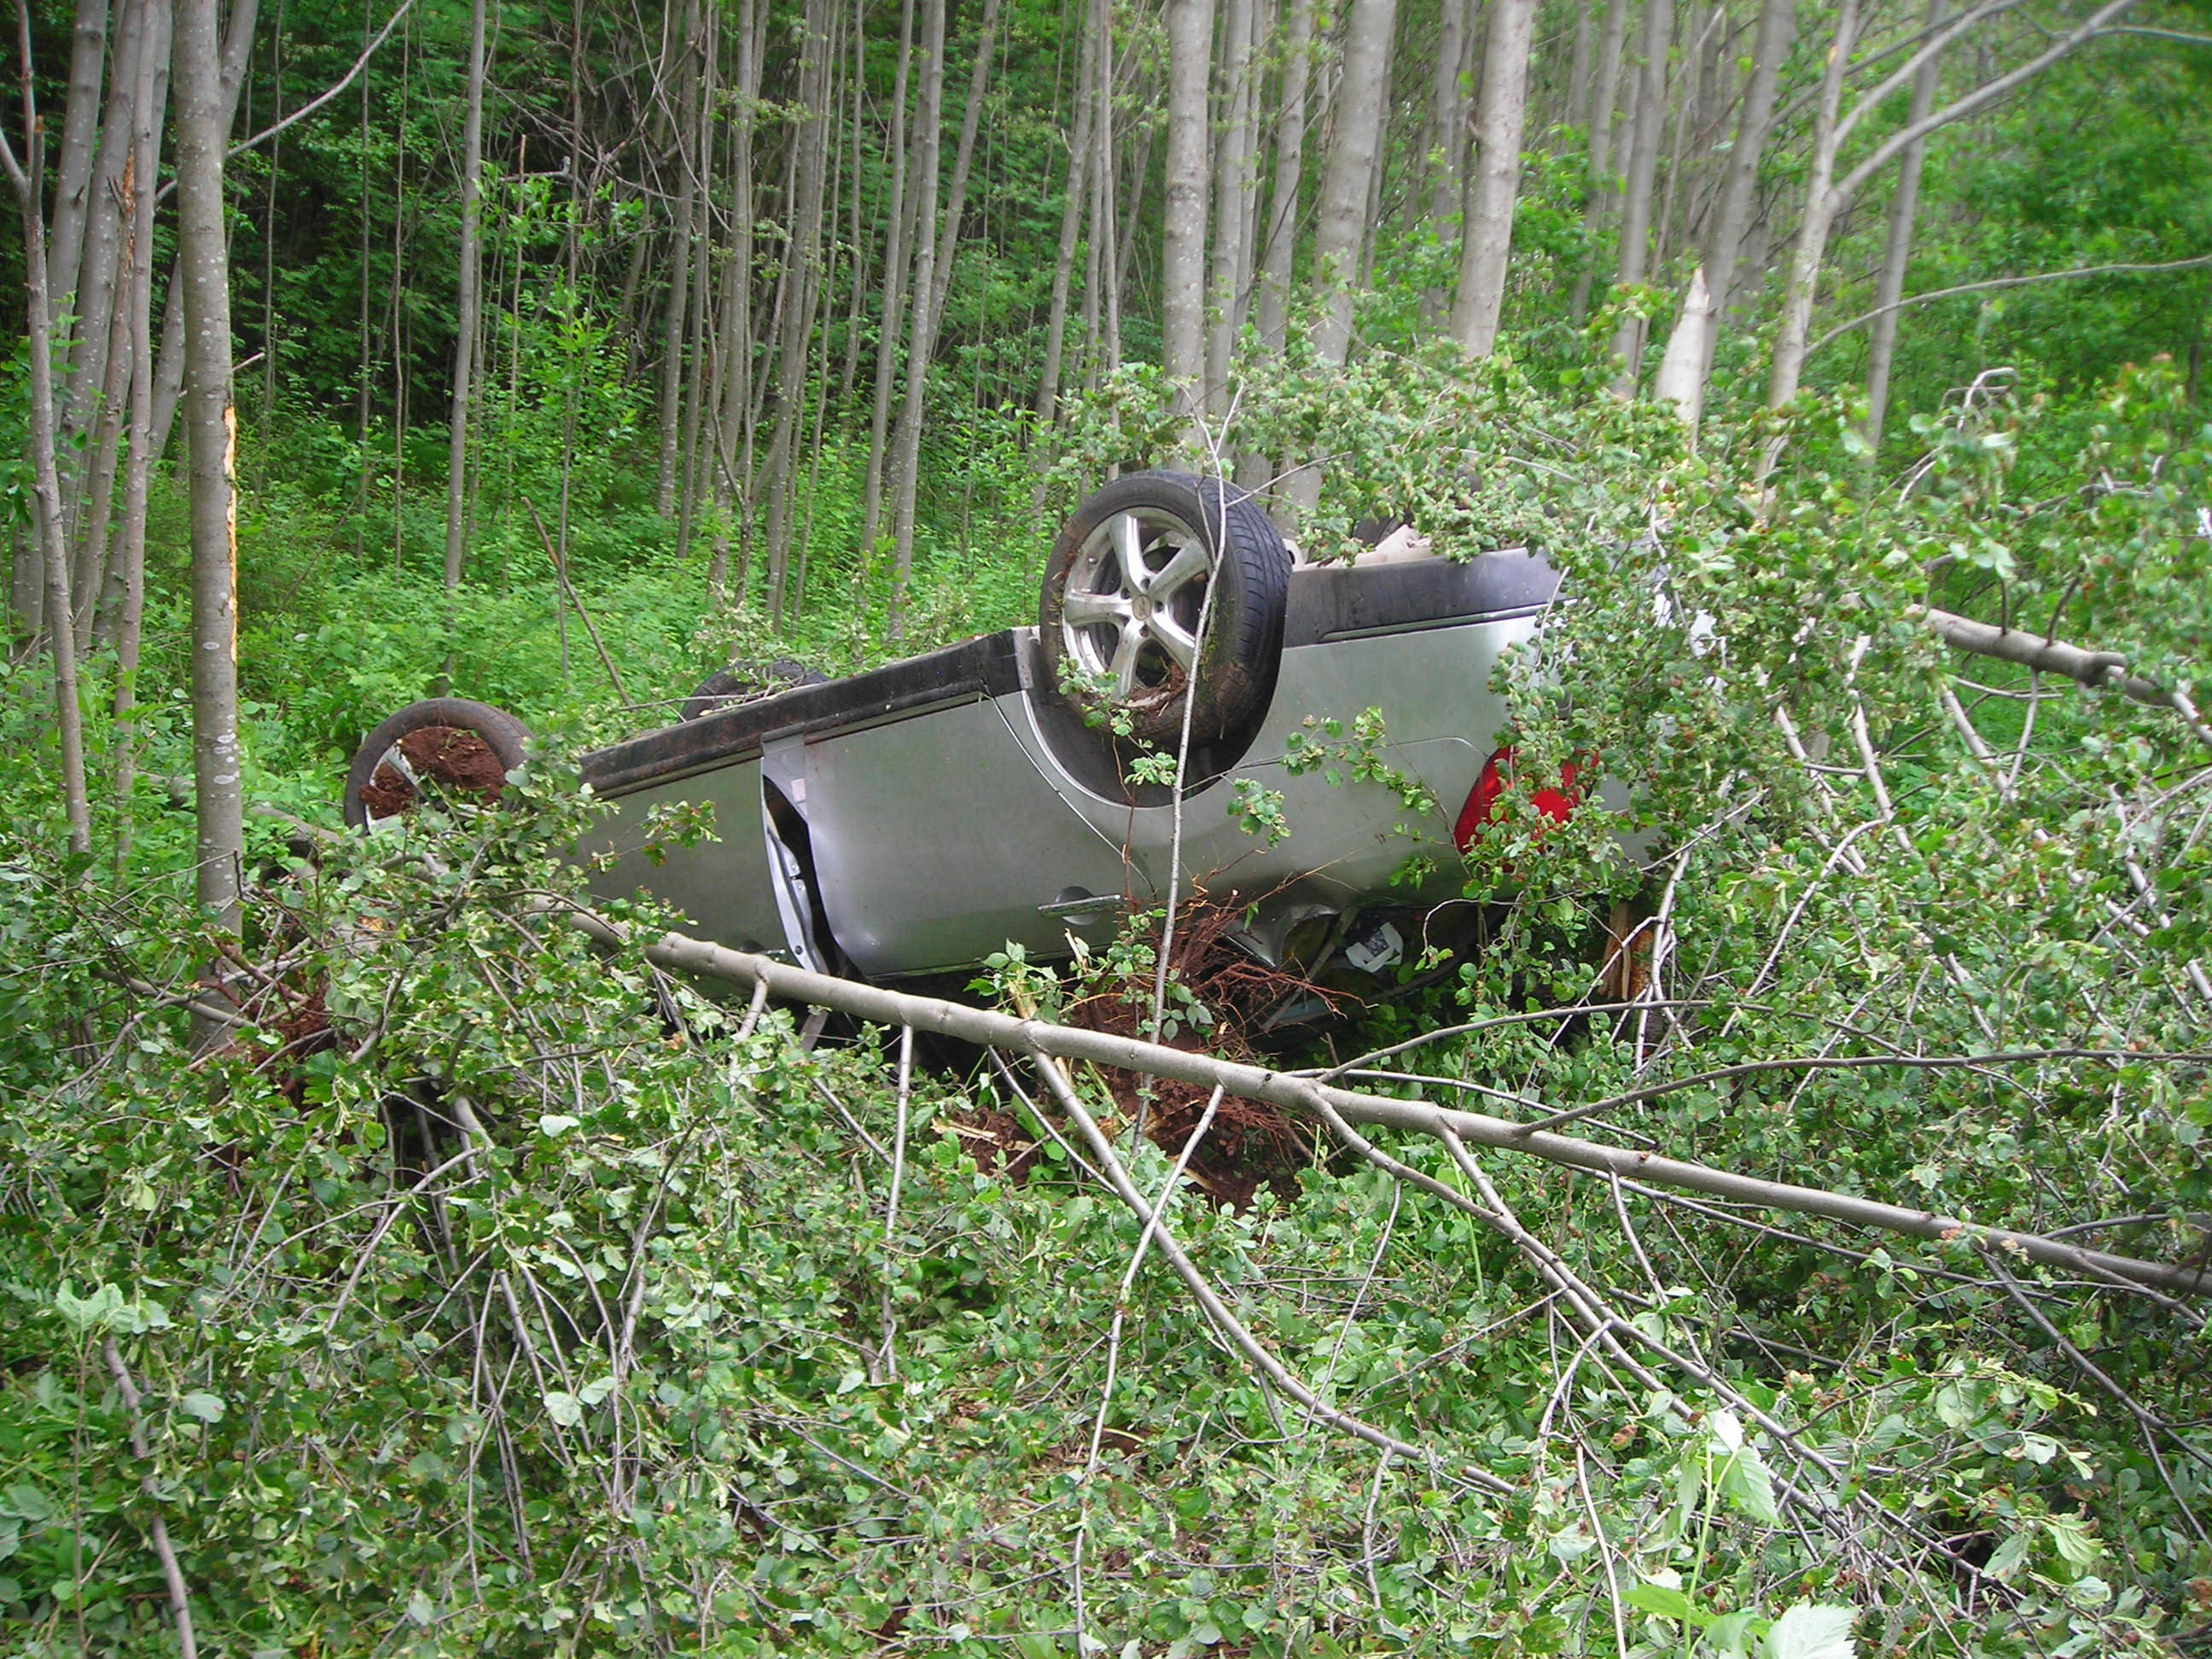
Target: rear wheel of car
747,681
1162,582
446,749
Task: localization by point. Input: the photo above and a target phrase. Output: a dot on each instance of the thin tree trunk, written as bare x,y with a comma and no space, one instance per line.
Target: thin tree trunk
169,366
738,323
471,302
84,398
894,275
1820,207
203,132
26,176
677,322
801,282
73,162
929,123
1347,183
1578,70
1486,242
1070,228
1232,184
1444,151
1642,171
697,324
1604,99
1777,23
1275,264
1896,250
128,565
963,154
1348,180
1182,236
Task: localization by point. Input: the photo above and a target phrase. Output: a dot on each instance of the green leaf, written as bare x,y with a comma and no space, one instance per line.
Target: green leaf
1812,1630
207,1407
554,1124
421,1609
563,1408
25,1500
1665,1602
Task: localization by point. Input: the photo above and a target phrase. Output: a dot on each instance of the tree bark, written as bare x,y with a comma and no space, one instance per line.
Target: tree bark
737,328
1642,170
929,123
1275,264
1486,240
73,162
202,254
1182,236
800,272
1444,151
1070,228
963,158
26,176
1354,152
169,366
1836,194
1897,249
127,566
1820,209
676,324
1777,25
895,276
1605,95
1232,184
470,303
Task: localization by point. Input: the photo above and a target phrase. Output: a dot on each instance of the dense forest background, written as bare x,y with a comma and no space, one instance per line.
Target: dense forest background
387,1266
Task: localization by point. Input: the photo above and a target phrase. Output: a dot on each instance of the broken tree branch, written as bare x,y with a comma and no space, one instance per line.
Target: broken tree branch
987,1028
2095,669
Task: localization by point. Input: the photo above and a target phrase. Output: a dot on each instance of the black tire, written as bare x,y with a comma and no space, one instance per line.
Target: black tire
1127,657
465,749
747,681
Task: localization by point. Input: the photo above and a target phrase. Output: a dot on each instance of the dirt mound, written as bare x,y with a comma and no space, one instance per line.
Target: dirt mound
453,761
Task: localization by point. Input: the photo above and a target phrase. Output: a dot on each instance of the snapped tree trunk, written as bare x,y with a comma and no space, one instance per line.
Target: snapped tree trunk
210,421
1182,236
1486,241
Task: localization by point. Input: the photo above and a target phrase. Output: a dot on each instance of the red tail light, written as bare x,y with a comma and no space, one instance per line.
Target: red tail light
1482,800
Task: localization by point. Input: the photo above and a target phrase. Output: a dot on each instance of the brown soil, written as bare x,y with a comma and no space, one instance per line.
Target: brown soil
455,759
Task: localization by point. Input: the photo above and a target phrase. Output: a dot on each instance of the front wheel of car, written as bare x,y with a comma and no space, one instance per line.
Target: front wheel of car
1165,595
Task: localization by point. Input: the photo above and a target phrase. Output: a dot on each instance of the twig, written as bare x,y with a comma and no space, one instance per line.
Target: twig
886,1356
157,1530
560,570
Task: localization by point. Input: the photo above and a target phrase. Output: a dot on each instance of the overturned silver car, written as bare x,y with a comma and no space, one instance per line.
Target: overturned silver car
913,819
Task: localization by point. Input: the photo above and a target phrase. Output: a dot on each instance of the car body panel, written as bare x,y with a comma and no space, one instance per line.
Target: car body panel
947,805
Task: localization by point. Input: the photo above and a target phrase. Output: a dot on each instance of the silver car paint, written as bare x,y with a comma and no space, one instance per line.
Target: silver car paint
945,833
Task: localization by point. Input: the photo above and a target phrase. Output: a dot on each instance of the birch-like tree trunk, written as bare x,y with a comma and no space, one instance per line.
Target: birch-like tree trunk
1642,171
1073,199
1355,149
677,321
1443,148
1897,248
26,175
1271,300
1232,184
964,160
1182,236
211,425
895,277
737,328
1605,96
470,304
1828,196
73,161
1486,241
1724,243
929,116
800,271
